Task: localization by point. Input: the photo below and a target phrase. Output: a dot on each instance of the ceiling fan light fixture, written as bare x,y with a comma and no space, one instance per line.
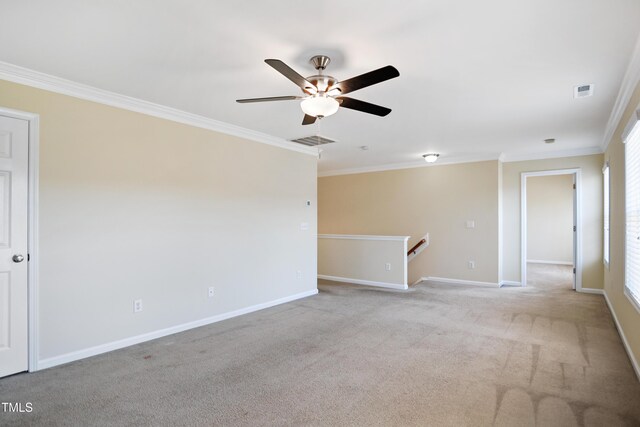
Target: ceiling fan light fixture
430,158
319,106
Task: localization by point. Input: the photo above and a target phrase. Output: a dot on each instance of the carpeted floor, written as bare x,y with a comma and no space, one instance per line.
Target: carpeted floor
435,355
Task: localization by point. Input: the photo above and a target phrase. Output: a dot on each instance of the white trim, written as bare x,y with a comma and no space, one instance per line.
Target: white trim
500,221
32,225
364,282
627,347
442,161
510,283
542,261
629,83
632,300
406,264
115,345
460,282
55,84
606,243
630,131
523,220
592,291
410,165
574,152
631,124
363,237
420,280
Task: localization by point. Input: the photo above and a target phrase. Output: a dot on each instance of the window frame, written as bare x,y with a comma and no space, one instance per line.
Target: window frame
606,210
631,134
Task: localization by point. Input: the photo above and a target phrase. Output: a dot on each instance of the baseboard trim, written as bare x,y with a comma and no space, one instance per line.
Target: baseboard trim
364,282
115,345
591,291
460,282
542,261
422,279
632,358
510,283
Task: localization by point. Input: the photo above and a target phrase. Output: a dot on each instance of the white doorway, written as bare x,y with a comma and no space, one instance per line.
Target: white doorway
565,227
18,137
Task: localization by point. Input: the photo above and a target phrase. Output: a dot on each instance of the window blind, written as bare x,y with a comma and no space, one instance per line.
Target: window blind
632,210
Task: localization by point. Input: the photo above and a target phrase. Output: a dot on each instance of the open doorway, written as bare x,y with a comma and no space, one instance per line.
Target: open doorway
550,228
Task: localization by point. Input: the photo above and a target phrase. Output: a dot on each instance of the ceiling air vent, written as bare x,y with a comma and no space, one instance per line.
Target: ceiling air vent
583,91
313,141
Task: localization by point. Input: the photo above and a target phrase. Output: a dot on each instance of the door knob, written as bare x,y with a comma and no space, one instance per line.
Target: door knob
17,258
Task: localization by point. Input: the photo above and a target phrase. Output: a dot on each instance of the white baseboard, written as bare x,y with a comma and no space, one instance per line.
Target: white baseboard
364,282
632,357
115,345
542,261
591,291
422,279
460,282
510,283
465,282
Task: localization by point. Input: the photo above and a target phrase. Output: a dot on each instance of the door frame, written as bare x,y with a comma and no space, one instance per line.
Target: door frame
577,214
32,229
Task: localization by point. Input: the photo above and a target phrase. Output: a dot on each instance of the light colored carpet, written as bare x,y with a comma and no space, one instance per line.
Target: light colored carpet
435,355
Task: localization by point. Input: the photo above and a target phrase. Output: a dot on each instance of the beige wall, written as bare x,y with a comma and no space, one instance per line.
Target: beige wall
412,202
550,218
133,206
363,259
628,316
591,167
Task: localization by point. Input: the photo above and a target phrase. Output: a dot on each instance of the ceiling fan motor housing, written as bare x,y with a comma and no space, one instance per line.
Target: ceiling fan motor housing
320,62
323,83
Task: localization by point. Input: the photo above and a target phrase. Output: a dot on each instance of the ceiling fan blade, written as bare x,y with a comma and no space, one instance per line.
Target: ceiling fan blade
289,73
308,120
365,107
367,79
272,98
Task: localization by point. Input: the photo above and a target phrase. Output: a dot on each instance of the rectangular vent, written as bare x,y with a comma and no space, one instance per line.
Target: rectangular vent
313,141
582,91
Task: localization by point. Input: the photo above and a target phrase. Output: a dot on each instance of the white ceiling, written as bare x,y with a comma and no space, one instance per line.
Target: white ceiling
477,78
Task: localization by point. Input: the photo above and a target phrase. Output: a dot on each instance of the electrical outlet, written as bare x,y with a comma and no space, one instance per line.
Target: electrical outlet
299,274
387,266
137,306
210,291
471,265
471,223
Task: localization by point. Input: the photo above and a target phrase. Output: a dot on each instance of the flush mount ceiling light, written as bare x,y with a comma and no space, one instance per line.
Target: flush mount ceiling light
319,106
430,158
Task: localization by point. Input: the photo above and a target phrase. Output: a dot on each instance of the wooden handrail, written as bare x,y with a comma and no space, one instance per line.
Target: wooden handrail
416,246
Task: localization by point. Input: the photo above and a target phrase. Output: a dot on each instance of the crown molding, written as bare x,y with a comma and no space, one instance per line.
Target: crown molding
629,82
25,76
410,165
574,152
501,157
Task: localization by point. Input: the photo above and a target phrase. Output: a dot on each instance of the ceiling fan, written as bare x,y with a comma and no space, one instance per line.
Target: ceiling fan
323,93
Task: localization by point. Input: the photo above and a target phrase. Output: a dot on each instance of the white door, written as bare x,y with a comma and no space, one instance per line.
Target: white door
14,149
